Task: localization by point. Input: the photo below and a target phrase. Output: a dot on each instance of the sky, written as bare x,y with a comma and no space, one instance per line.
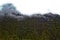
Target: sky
29,7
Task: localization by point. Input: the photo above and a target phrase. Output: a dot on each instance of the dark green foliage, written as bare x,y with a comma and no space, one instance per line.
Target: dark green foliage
29,29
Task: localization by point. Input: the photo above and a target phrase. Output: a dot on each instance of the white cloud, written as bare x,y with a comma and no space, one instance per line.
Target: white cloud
35,6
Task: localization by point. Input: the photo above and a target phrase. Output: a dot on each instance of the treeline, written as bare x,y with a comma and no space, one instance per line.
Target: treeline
34,27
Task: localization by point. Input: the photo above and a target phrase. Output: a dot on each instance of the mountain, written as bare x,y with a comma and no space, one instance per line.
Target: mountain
16,26
10,10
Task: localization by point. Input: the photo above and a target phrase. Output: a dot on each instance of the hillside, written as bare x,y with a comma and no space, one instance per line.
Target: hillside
17,26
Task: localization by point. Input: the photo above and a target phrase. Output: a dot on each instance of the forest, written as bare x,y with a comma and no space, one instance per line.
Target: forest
17,26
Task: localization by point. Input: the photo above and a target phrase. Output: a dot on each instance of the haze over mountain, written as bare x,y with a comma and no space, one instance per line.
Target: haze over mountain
9,9
15,25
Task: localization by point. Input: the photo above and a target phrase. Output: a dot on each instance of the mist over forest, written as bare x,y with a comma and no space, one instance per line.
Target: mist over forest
16,26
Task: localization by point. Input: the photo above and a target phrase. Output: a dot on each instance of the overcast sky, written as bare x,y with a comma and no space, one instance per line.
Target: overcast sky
35,6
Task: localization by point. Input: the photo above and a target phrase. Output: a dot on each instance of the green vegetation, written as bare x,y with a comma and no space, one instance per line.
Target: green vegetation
29,29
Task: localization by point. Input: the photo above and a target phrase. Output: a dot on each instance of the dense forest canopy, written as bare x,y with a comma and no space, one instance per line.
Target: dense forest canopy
16,26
